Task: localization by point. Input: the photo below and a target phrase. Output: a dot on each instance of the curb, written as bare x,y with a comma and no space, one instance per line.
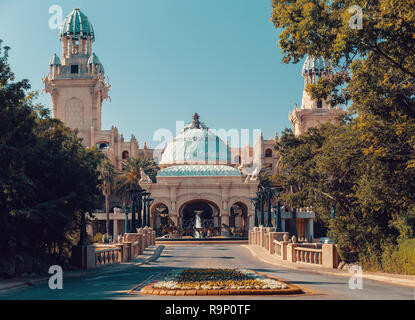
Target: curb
95,271
381,278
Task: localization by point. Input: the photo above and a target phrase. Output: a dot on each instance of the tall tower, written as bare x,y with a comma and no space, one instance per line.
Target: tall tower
76,81
314,112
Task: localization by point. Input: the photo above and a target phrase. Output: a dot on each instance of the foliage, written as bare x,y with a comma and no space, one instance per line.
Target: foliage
401,259
97,238
131,175
107,173
47,177
365,166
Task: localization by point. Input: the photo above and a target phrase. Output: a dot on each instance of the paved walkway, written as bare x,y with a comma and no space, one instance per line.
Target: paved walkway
122,282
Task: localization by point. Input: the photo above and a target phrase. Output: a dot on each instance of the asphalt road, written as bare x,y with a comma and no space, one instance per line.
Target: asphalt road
118,284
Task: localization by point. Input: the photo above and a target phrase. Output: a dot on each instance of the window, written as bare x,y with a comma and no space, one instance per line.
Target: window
103,145
237,159
319,104
74,68
125,155
268,153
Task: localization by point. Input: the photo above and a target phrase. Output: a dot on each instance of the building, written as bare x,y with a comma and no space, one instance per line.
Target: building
202,180
312,112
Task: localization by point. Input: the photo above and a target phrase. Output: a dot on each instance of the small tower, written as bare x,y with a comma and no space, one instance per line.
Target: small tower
314,112
76,82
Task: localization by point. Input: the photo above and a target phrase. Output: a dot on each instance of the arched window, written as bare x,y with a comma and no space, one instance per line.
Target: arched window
319,104
268,153
125,155
237,159
103,145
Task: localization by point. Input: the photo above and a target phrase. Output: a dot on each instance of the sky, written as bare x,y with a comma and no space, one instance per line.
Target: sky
166,60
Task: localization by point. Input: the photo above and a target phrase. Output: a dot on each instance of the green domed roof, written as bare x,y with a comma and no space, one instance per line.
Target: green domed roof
77,25
199,171
196,144
55,61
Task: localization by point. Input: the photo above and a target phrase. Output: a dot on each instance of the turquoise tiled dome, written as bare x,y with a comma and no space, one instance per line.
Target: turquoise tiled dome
77,25
196,144
199,171
55,61
315,65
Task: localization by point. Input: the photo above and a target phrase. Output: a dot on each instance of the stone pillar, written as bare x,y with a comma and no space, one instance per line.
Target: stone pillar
238,219
225,220
140,243
272,237
261,236
120,252
115,230
291,252
330,257
311,229
283,225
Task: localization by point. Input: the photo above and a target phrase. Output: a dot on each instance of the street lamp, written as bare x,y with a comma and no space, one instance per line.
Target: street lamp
133,194
255,203
269,193
149,203
145,195
261,203
294,223
277,222
126,220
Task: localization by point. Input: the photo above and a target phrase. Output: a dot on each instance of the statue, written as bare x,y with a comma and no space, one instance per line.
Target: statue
251,172
144,176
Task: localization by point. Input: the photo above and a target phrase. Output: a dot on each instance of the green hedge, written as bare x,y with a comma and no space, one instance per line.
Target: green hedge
400,259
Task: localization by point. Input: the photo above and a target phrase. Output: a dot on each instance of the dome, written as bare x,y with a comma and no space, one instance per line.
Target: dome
196,144
77,25
55,61
315,65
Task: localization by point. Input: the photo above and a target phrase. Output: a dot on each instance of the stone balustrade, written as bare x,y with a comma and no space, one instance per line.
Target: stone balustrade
132,245
107,256
277,244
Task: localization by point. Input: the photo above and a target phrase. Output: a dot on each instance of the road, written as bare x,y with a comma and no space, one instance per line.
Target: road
117,284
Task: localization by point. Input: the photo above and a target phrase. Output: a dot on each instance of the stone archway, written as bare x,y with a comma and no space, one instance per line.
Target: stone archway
199,218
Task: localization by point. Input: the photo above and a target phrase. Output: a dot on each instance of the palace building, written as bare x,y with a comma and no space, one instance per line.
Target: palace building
201,177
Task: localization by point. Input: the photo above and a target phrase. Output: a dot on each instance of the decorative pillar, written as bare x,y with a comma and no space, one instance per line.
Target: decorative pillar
225,220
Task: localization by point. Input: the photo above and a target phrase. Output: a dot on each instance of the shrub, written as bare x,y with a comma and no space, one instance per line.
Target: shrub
400,259
98,238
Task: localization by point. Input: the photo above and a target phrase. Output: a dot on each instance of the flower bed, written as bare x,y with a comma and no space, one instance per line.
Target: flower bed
218,282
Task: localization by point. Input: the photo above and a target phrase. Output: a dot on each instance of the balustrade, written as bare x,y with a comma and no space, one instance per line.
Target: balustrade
107,256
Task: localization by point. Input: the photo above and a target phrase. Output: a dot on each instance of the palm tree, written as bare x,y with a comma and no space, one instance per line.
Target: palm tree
106,175
131,175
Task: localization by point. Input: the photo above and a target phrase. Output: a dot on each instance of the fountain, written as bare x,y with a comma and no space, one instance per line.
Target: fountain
198,224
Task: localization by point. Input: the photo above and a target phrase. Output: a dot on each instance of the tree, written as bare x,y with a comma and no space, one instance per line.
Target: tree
131,175
48,179
366,164
107,177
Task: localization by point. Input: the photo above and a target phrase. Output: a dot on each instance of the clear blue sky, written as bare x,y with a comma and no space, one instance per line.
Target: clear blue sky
167,59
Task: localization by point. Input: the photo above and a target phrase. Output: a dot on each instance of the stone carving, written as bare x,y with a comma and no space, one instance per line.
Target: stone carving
144,176
294,239
251,172
285,237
